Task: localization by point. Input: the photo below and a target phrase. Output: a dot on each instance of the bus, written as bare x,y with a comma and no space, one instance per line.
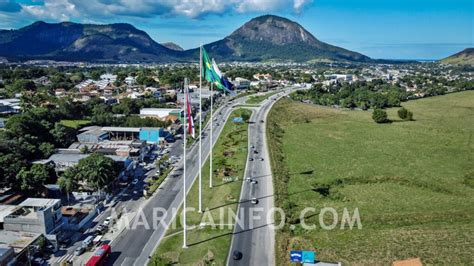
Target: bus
100,256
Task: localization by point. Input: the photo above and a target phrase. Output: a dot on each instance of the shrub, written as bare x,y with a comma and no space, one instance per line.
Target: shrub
403,113
380,116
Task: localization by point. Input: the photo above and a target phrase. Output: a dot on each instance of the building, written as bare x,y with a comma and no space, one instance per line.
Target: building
160,113
66,158
35,215
130,81
110,78
10,106
336,77
241,83
92,134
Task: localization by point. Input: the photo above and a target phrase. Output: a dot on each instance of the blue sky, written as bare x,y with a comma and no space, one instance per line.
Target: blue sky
401,29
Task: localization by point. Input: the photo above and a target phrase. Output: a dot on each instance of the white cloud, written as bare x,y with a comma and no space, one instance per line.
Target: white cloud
97,10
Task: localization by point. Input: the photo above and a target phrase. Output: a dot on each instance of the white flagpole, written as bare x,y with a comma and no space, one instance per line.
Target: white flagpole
200,128
210,148
184,166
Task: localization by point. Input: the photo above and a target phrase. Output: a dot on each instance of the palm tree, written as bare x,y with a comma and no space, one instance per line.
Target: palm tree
68,181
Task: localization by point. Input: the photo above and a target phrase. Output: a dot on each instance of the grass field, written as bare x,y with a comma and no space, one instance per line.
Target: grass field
210,245
412,182
257,99
75,123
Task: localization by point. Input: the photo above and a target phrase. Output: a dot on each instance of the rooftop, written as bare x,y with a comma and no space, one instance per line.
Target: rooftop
17,240
6,210
75,158
39,202
121,129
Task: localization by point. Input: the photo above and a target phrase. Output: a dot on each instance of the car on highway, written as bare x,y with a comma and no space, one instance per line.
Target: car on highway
79,250
255,151
251,159
252,147
248,179
254,182
254,201
236,255
107,221
261,159
135,181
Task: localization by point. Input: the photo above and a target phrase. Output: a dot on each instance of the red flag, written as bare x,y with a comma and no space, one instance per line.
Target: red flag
190,118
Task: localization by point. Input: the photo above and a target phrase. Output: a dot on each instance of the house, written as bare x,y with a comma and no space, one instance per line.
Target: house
109,78
130,80
35,215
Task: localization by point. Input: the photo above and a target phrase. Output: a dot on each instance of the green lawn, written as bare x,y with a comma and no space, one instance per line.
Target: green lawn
257,99
75,123
412,181
211,244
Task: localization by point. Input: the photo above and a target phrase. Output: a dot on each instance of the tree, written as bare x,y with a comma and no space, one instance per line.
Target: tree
380,116
46,149
97,170
21,85
68,181
33,179
410,116
10,166
95,74
63,135
245,116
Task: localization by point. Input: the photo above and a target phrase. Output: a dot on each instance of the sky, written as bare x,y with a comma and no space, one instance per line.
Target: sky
397,29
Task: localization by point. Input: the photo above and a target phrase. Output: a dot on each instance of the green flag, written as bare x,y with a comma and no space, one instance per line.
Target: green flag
209,73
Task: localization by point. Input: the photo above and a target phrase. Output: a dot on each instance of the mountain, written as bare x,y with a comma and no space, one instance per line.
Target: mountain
82,42
276,38
465,57
265,38
172,46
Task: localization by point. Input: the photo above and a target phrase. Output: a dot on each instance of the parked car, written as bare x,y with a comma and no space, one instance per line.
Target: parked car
107,221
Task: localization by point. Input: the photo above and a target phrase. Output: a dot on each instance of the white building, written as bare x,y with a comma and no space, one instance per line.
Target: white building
130,80
160,113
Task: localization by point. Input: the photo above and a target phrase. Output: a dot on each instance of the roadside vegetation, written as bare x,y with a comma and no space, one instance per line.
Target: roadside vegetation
257,99
412,181
209,245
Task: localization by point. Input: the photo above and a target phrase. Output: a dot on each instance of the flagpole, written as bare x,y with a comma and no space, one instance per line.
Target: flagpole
210,149
200,128
184,166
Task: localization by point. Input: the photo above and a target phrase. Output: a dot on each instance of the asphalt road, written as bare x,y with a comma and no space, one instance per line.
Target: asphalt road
254,236
134,246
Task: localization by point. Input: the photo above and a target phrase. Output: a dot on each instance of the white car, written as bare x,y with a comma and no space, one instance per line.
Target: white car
254,201
107,221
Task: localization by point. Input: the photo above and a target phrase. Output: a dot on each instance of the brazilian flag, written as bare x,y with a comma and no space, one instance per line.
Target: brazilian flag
211,74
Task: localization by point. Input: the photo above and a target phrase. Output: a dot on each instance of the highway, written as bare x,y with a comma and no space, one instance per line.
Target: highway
134,246
255,237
